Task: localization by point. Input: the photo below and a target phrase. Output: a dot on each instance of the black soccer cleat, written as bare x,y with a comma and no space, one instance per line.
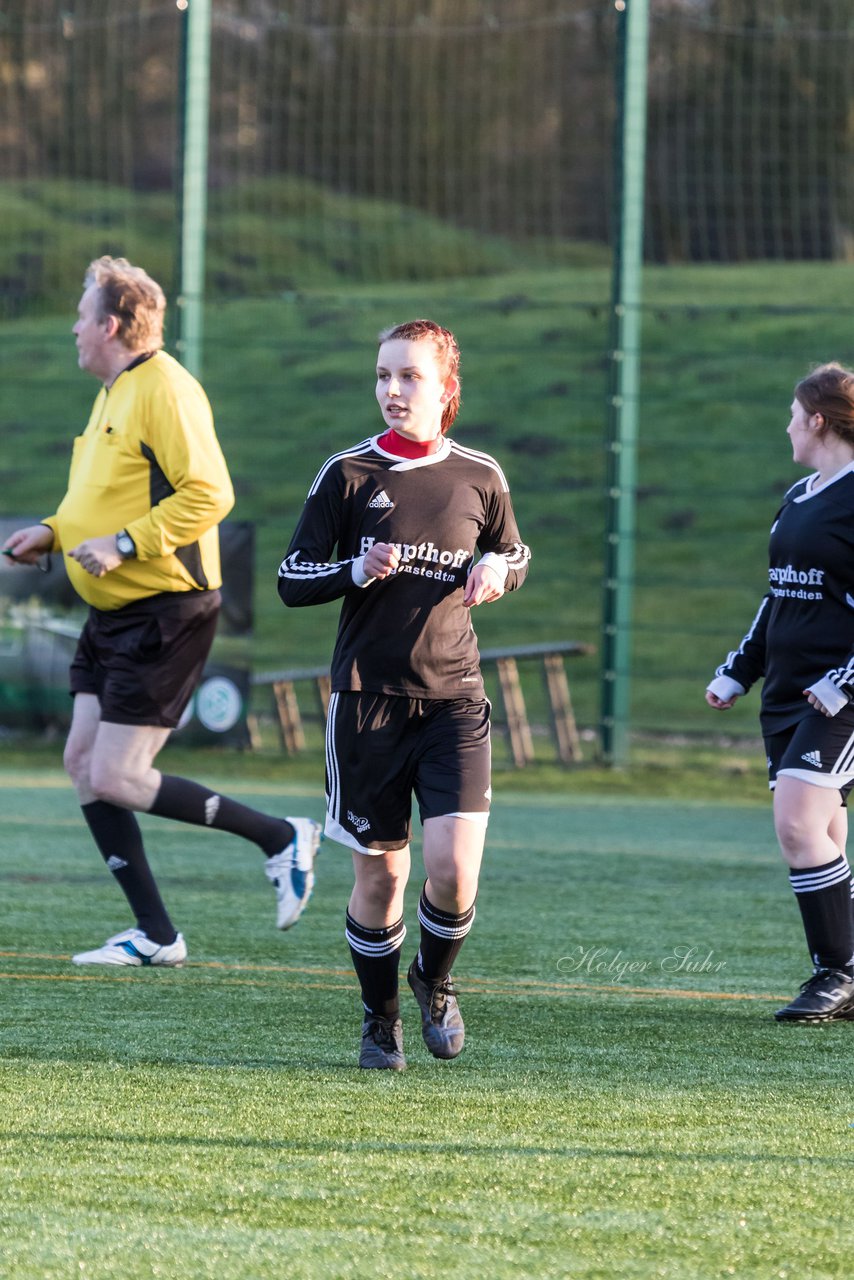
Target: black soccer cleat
828,994
441,1021
382,1044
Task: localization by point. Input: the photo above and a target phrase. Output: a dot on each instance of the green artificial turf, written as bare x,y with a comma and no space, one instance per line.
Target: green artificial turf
625,1105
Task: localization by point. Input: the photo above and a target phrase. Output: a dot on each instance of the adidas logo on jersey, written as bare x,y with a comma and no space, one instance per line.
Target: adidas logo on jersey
813,758
381,501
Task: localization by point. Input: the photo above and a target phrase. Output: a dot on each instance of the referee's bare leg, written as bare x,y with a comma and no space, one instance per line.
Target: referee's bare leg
112,767
116,833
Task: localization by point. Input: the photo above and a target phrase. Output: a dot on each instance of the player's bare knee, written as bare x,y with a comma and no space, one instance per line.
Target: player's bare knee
383,892
454,894
794,834
106,789
453,879
76,761
382,885
789,830
107,782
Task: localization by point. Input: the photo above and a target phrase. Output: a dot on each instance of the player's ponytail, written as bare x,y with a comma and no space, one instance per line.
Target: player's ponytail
447,351
829,390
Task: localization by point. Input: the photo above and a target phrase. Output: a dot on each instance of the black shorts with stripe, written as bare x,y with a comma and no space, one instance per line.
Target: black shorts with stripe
143,661
382,748
818,749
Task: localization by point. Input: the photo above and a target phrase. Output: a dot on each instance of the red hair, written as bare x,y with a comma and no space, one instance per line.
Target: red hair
829,390
447,354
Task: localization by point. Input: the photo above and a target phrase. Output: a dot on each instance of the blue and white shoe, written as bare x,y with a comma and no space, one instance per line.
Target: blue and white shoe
292,871
133,947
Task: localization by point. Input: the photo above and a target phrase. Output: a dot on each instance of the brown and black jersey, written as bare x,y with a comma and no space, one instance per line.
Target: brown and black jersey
409,634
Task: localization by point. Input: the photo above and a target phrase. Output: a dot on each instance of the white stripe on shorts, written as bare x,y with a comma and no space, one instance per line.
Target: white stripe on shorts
333,780
845,759
341,835
830,780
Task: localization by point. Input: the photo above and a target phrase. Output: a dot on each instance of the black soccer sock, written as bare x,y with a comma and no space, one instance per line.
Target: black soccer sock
376,959
442,937
118,837
824,897
187,801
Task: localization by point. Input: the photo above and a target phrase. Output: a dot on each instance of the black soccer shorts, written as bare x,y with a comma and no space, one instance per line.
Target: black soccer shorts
143,661
817,749
380,749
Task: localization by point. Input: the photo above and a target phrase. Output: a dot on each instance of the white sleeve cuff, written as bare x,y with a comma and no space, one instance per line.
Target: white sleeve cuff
724,687
828,695
357,572
497,563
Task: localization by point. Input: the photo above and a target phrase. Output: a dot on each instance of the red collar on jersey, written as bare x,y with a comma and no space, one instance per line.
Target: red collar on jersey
399,445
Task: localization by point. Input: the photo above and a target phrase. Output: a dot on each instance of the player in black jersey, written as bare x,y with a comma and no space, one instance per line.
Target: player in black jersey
802,643
406,511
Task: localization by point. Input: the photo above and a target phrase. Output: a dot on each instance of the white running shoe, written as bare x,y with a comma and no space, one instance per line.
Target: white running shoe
292,871
134,947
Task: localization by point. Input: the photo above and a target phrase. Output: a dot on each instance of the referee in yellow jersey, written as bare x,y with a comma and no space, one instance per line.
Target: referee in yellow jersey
138,528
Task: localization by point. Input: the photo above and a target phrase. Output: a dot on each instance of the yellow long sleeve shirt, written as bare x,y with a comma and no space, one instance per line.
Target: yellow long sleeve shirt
149,462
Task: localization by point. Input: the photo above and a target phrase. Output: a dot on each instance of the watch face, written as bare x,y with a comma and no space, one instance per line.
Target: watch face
125,544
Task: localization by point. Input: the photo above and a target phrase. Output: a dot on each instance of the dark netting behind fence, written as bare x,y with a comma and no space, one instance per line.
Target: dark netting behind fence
751,137
405,139
389,140
88,142
372,158
381,140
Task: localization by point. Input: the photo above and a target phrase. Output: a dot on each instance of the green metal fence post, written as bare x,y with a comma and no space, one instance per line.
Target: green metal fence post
624,380
194,180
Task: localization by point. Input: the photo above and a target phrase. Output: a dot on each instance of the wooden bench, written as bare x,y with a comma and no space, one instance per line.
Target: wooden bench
550,655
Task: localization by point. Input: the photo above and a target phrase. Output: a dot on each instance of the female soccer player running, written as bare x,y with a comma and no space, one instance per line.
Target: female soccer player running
406,510
802,642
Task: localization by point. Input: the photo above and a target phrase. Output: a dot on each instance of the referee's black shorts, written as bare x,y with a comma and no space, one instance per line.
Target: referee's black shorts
381,748
143,661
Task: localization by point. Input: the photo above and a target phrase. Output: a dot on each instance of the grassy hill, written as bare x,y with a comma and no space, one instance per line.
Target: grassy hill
267,236
291,381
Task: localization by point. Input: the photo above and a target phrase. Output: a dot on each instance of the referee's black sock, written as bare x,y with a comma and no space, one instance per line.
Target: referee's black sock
442,937
118,837
824,898
187,801
376,959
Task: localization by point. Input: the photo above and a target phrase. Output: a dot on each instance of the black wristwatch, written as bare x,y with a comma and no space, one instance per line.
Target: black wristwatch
125,545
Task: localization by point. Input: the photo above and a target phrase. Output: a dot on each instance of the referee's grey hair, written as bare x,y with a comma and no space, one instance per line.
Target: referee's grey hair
129,294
